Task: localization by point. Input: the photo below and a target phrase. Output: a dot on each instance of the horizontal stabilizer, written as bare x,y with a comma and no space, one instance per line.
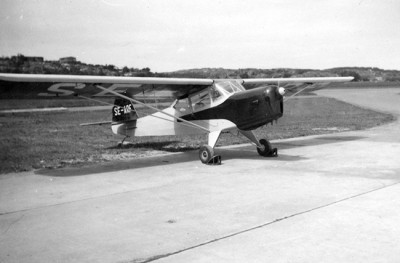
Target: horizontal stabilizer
95,123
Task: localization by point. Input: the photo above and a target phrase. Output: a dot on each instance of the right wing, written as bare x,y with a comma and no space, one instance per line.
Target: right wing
41,85
102,79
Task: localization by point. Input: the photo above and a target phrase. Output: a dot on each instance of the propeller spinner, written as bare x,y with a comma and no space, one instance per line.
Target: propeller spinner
281,91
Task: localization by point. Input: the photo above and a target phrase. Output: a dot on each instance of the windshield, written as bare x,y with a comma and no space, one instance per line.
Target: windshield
230,86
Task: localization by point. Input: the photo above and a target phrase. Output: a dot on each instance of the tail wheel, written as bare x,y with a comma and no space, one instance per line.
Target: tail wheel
265,148
206,152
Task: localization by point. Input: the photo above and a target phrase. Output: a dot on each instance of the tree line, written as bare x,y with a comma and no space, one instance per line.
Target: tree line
37,65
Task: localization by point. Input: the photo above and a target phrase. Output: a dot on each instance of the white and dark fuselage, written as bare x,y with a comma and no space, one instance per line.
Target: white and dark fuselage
223,105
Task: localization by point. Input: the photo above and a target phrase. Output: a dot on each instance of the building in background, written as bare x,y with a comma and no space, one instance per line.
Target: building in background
68,60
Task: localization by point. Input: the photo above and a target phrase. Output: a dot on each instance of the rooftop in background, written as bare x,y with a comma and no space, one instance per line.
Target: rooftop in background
68,60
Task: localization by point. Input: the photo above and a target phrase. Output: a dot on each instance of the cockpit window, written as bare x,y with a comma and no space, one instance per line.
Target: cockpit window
208,97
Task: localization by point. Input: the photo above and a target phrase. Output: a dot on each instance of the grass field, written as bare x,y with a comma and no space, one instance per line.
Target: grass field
364,85
47,103
37,140
54,103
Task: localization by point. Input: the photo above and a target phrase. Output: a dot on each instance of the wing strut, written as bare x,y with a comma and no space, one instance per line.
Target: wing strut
153,108
306,87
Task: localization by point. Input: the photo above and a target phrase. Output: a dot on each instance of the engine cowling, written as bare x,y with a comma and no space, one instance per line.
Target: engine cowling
274,95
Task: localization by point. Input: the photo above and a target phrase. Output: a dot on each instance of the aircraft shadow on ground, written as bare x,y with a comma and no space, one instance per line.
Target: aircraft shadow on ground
316,141
245,153
167,146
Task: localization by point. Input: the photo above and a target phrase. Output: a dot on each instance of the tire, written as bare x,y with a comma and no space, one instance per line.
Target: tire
266,149
206,152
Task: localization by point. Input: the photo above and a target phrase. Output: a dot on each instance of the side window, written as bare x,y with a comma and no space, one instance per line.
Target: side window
200,100
182,106
214,93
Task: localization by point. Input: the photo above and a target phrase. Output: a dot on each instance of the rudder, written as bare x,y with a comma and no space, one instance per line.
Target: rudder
124,117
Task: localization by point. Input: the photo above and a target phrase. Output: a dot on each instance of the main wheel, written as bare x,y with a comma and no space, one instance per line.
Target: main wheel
265,149
206,152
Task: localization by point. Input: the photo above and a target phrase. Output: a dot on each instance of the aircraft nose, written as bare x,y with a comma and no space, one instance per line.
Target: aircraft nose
274,93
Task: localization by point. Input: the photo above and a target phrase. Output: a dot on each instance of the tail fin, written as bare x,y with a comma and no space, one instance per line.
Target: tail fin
124,117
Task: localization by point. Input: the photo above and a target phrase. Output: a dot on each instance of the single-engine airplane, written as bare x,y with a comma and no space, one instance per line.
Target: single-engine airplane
201,106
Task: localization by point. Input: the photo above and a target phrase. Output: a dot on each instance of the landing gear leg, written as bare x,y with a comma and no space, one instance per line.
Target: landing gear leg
121,144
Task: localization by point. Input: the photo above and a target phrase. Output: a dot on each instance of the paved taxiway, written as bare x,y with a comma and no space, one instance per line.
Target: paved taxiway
331,198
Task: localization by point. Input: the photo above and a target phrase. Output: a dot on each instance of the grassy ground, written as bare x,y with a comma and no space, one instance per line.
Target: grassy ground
48,103
36,140
7,104
364,85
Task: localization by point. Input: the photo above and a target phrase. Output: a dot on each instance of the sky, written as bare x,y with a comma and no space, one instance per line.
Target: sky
168,35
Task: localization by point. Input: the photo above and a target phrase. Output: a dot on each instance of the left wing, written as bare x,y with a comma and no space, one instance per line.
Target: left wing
297,80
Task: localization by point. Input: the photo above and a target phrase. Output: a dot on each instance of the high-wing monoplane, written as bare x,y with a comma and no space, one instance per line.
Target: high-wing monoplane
200,106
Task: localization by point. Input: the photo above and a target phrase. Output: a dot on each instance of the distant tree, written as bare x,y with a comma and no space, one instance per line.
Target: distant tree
346,73
125,70
75,70
15,70
244,75
36,70
19,59
101,72
287,74
301,71
393,78
110,67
